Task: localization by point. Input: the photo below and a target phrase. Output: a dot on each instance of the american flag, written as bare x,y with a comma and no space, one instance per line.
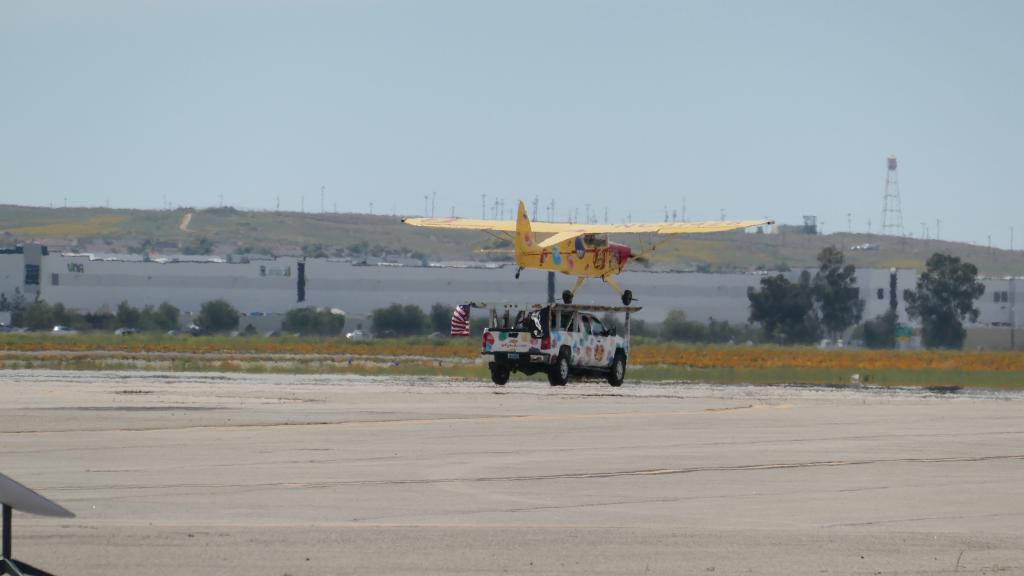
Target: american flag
460,320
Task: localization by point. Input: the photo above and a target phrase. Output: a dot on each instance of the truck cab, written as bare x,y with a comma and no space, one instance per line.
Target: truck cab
562,340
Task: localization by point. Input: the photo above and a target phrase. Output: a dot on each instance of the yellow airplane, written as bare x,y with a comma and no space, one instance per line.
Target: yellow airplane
580,250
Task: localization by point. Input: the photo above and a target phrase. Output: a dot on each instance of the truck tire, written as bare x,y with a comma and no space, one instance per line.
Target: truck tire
627,297
617,373
567,296
500,374
558,373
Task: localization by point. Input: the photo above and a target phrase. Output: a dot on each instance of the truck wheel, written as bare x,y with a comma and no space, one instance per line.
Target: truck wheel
567,296
500,374
558,374
627,297
618,370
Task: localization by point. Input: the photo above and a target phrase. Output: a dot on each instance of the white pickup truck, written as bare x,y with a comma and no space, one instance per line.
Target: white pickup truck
563,340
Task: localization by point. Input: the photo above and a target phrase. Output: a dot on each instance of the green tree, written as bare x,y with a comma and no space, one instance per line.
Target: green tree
128,316
398,320
102,320
201,246
441,318
677,327
314,251
881,332
17,308
785,309
313,321
836,293
168,316
38,316
944,296
218,316
163,317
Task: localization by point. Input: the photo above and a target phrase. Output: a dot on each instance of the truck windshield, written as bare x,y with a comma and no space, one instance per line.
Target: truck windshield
586,325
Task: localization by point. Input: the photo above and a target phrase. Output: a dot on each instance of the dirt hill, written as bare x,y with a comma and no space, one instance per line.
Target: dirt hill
227,231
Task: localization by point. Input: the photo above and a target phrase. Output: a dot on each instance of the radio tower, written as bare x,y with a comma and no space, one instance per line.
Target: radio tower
892,212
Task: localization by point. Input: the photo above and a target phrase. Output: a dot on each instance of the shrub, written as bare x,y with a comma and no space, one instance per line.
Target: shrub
314,321
398,320
218,316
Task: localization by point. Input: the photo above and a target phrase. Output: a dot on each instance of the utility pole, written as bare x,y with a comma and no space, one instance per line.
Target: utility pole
536,201
426,205
277,207
483,206
322,189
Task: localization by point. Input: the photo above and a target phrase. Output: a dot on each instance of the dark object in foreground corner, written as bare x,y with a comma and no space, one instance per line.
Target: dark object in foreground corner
15,496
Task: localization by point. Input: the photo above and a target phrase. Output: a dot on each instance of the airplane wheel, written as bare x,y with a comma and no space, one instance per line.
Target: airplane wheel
627,297
567,296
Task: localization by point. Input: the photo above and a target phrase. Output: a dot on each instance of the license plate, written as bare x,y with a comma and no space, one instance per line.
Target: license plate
513,356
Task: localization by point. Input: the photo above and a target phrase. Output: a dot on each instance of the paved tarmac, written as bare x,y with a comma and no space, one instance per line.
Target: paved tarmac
268,474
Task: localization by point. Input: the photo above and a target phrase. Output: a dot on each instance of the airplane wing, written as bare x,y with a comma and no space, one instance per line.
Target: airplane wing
564,231
478,224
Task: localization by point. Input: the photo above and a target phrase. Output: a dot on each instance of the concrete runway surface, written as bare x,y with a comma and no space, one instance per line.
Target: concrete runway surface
245,474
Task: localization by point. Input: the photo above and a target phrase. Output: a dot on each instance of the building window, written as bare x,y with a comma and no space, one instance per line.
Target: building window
55,279
32,274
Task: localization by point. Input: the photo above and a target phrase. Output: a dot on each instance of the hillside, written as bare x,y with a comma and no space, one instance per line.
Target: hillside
288,233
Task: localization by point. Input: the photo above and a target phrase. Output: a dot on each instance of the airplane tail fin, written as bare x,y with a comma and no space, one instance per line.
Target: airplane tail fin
525,241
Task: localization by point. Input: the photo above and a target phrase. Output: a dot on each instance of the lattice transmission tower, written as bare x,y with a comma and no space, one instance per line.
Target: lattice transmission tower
892,211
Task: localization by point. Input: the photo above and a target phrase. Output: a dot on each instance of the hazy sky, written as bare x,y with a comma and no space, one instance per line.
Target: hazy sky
757,108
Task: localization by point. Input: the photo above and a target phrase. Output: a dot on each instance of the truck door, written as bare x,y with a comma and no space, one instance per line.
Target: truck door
603,350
